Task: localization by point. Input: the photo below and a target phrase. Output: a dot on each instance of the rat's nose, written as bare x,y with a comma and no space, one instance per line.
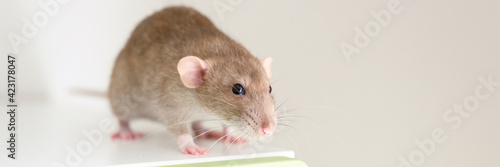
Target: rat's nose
267,130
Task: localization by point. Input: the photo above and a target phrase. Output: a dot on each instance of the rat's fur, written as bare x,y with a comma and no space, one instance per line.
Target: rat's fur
145,81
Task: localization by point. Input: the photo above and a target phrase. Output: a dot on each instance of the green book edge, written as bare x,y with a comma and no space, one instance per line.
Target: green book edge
254,162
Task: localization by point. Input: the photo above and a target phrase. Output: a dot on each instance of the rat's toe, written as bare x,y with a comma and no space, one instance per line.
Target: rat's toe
194,150
203,151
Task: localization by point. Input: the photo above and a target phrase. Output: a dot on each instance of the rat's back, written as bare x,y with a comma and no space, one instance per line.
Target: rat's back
146,66
173,27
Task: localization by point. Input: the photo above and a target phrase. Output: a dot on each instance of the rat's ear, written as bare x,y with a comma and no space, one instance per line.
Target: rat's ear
266,63
191,70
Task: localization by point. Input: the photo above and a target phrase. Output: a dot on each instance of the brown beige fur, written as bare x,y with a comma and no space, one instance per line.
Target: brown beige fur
146,84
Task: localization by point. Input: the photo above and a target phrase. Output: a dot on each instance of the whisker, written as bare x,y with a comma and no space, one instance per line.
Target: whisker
212,129
310,122
307,136
233,142
294,143
166,127
279,136
321,107
206,131
210,147
273,82
283,102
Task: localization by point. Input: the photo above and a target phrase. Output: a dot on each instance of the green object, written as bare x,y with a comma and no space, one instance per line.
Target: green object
255,162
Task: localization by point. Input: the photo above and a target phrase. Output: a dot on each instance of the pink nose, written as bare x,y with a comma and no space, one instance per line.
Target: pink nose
267,131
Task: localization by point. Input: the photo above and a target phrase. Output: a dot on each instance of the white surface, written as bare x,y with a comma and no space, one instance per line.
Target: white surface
395,91
44,140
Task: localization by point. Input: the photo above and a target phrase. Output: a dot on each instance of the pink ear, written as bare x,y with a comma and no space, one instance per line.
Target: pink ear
266,63
191,70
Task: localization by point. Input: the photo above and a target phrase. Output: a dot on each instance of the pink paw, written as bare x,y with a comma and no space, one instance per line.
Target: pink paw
126,135
193,149
210,135
232,139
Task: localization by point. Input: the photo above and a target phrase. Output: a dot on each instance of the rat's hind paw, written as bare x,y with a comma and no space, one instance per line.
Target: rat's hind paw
126,135
194,149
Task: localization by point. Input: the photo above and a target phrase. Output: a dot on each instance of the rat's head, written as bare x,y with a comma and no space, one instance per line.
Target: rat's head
236,89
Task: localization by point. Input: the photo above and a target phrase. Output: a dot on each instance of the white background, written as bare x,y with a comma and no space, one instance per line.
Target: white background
366,112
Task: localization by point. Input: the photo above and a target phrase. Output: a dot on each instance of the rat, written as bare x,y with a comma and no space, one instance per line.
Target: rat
177,67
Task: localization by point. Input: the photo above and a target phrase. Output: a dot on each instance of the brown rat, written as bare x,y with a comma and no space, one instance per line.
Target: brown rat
177,65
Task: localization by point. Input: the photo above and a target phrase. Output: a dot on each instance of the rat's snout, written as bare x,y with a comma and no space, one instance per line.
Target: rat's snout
267,126
260,118
267,129
263,124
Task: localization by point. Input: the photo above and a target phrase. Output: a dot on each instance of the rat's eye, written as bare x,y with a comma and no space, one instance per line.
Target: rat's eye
270,89
238,89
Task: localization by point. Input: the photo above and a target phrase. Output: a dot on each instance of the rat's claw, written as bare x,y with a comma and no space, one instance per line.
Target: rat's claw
194,150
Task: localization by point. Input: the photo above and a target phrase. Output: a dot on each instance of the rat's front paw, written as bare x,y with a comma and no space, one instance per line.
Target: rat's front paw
209,134
194,149
238,140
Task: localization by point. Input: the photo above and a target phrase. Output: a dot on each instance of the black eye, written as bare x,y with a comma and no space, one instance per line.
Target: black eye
270,89
238,89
